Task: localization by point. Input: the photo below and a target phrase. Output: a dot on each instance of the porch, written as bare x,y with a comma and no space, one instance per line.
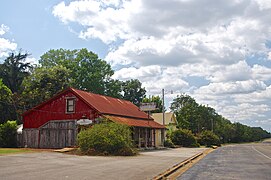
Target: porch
146,137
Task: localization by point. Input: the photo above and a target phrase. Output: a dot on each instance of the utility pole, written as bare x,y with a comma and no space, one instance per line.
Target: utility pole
163,111
163,105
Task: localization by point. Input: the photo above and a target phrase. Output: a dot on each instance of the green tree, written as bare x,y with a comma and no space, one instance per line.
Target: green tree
14,70
88,72
113,88
157,100
43,84
133,91
184,137
6,105
186,111
8,134
208,138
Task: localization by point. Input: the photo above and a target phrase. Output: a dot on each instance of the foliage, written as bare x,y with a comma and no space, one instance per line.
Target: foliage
133,91
208,138
113,88
8,134
168,143
6,107
107,138
184,108
88,72
158,102
44,83
14,70
184,137
197,118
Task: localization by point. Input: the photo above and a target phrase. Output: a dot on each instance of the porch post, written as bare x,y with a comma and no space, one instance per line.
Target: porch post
139,143
146,137
154,130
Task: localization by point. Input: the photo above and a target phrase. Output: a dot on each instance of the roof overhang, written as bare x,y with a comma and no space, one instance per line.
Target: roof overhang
135,122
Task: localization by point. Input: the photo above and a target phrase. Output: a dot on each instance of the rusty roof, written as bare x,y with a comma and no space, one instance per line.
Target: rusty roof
111,106
136,122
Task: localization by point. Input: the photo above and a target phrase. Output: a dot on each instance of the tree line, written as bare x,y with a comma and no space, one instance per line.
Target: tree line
199,118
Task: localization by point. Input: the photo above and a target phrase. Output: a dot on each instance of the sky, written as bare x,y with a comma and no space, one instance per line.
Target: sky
218,52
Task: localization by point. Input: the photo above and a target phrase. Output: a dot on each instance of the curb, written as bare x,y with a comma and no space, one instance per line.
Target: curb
176,167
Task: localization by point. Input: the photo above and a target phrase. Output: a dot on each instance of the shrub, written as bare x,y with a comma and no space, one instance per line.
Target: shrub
107,139
168,143
208,138
184,137
8,134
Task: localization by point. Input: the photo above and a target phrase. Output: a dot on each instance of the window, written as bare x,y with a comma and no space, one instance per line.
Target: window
70,105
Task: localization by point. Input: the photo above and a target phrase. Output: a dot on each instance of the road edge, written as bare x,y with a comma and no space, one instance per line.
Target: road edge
180,168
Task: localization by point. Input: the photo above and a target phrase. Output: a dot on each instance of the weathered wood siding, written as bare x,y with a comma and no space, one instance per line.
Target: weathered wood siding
54,134
31,138
19,140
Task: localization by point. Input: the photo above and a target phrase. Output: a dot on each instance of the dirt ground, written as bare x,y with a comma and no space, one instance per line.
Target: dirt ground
52,165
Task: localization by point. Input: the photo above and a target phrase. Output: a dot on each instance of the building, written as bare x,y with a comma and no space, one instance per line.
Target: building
170,120
54,123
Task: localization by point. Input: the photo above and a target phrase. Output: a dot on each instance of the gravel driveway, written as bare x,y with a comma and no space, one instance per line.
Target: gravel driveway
52,165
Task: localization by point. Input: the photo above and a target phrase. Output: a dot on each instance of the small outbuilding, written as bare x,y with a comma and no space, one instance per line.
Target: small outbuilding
170,120
55,123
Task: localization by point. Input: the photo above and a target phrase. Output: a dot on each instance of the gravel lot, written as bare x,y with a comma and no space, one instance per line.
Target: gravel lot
52,165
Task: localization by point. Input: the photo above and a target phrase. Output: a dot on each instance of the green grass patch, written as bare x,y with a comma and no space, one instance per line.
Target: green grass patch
4,151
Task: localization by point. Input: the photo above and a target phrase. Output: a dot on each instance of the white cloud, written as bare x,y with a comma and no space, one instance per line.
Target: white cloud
138,73
5,44
232,87
235,72
245,111
153,78
3,29
261,72
163,42
263,4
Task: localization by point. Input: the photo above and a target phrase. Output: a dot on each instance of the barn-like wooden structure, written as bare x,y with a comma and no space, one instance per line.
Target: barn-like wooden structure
53,124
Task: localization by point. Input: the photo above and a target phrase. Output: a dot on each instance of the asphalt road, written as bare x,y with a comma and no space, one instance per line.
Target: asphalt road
243,161
57,166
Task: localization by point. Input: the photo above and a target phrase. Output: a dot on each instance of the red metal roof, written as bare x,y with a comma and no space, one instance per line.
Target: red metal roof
136,122
111,106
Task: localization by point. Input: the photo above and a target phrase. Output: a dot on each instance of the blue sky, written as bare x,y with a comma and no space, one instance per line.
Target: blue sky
217,52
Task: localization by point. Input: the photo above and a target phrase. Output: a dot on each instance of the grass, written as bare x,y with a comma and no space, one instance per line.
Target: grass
4,151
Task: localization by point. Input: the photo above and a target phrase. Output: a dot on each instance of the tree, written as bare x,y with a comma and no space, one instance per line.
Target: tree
106,138
186,111
157,100
8,134
133,91
6,107
184,137
88,72
14,70
113,88
208,138
43,84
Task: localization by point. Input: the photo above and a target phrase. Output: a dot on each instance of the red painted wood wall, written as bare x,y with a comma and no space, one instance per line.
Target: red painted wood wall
55,109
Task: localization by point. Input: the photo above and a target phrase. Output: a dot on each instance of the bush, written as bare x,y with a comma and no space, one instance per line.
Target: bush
208,138
168,143
8,134
184,137
107,139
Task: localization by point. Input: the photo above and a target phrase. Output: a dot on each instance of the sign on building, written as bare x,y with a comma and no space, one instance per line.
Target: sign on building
148,106
84,122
